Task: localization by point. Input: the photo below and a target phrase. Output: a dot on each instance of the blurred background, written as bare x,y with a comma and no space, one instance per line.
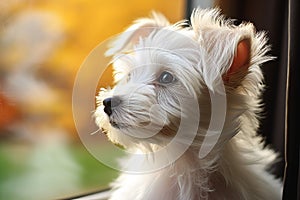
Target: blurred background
42,46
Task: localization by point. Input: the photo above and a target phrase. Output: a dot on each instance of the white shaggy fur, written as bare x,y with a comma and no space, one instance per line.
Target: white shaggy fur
199,56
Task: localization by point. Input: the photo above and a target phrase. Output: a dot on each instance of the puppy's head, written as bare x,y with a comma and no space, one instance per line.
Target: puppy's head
167,73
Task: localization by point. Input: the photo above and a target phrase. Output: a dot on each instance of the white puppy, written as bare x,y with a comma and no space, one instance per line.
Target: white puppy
185,107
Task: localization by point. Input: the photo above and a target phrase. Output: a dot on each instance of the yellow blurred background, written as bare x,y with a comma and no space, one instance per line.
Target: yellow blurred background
42,45
73,29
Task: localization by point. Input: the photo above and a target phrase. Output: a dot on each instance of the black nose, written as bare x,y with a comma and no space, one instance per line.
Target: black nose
110,103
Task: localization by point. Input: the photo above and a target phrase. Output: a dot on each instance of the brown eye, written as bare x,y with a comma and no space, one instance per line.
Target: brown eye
166,77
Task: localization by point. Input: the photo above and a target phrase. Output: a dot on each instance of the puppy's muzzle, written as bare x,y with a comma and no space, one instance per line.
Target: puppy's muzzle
110,104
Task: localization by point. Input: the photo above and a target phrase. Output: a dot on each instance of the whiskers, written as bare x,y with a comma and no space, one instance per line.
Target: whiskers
96,131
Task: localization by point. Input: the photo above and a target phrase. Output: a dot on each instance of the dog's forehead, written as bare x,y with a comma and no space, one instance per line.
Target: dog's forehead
168,39
148,63
163,48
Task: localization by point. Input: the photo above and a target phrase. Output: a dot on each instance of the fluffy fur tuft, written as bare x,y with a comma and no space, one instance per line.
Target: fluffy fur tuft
156,107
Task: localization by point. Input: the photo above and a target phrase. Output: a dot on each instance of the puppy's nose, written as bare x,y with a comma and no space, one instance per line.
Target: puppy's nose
110,103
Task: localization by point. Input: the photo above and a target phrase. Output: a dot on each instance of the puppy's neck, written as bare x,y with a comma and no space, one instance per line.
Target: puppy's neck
199,178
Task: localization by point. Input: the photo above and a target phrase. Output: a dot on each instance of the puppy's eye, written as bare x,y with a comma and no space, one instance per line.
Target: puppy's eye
166,77
128,77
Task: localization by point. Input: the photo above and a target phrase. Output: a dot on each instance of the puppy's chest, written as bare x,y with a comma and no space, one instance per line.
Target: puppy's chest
164,184
169,185
158,185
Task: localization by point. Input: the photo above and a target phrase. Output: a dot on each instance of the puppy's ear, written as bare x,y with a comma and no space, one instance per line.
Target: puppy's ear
227,48
139,29
240,64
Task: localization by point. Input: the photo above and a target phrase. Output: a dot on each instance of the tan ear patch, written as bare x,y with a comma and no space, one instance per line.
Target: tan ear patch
241,59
